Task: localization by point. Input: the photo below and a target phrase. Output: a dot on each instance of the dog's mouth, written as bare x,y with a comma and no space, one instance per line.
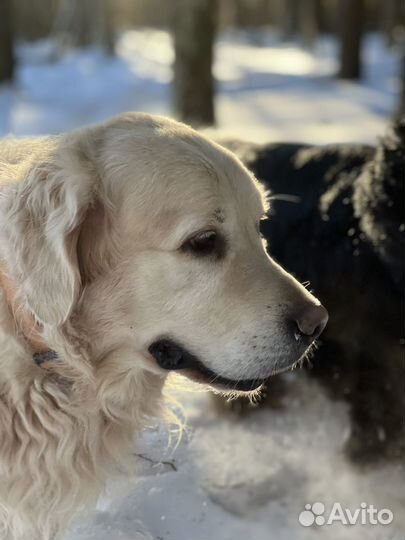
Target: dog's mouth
173,357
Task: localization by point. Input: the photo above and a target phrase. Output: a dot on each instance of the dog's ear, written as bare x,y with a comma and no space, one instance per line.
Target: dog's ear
42,222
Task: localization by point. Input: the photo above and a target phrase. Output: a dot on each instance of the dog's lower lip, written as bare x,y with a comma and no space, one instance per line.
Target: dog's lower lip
222,383
203,375
243,385
171,356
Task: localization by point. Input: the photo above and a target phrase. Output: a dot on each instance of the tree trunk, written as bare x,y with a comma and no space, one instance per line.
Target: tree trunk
401,108
290,19
194,26
239,13
351,29
309,21
83,23
320,9
104,33
83,27
6,42
388,18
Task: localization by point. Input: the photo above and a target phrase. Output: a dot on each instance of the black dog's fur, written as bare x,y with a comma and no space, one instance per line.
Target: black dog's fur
337,220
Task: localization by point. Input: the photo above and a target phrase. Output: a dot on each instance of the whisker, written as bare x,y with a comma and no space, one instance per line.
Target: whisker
284,197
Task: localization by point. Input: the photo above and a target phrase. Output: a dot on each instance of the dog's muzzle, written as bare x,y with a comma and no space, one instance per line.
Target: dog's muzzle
171,356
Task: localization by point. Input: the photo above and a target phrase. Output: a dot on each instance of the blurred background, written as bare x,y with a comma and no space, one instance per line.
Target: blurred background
261,70
313,71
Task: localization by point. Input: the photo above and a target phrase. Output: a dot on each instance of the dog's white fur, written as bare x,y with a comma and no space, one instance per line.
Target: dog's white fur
91,226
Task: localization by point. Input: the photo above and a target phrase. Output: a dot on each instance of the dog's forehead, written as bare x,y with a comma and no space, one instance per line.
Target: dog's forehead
177,169
215,184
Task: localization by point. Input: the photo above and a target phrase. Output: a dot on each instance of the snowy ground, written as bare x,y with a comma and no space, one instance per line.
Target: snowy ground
267,92
229,480
250,478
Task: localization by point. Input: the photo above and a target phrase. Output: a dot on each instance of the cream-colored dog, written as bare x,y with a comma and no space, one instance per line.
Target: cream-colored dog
127,250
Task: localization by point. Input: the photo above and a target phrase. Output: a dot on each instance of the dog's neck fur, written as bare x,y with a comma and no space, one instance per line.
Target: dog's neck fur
92,426
25,322
63,437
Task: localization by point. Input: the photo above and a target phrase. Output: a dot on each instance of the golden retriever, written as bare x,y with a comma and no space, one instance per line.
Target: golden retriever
127,250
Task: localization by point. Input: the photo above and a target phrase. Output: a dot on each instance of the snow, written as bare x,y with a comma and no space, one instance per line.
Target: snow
249,478
265,93
228,479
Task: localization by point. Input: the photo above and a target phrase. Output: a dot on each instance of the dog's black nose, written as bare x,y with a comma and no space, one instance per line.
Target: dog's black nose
312,321
169,355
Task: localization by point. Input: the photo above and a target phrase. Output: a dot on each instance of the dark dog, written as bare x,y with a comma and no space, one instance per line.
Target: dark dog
338,221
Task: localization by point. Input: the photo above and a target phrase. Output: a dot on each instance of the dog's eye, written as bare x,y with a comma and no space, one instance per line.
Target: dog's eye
203,243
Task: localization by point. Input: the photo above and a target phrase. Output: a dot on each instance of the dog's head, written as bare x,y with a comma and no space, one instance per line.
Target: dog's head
147,234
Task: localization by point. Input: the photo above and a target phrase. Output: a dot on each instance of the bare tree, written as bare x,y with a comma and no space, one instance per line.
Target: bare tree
249,13
239,12
310,20
290,15
194,28
351,29
33,19
83,23
401,108
392,17
6,41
